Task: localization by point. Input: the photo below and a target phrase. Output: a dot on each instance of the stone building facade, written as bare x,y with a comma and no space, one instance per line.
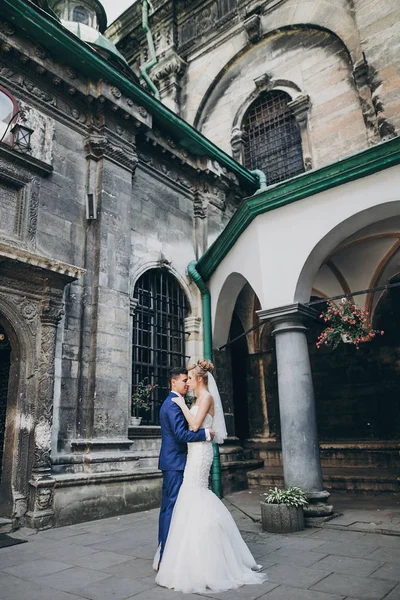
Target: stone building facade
107,195
99,184
295,89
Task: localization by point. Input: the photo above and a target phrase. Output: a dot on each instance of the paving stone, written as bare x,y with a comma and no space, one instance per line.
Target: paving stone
386,555
387,571
13,588
293,556
117,588
246,592
68,552
159,593
298,577
136,568
72,578
336,535
364,588
356,550
286,593
87,539
394,594
103,560
345,564
36,568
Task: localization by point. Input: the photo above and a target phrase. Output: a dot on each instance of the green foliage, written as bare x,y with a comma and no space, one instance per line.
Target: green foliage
141,398
348,321
293,496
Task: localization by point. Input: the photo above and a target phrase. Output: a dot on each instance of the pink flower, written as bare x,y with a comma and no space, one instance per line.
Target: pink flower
382,332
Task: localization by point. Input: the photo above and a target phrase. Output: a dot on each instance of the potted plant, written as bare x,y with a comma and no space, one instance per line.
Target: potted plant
346,323
282,510
141,400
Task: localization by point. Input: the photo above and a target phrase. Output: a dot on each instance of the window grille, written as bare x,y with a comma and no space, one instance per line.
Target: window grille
226,7
158,334
80,15
273,140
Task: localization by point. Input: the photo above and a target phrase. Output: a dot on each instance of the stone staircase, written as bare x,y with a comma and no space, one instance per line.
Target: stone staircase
359,466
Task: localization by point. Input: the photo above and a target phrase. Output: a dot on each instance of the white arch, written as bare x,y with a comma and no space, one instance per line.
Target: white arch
336,235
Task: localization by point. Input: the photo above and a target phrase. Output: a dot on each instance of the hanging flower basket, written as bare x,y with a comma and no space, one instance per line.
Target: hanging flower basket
346,323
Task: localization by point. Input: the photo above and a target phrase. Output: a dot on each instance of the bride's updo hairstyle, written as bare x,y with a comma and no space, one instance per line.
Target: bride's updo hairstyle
201,369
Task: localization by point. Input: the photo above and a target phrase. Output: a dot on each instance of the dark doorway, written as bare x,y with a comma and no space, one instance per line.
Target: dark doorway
5,352
239,354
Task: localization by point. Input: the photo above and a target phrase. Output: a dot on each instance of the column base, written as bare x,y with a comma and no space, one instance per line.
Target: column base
41,516
318,508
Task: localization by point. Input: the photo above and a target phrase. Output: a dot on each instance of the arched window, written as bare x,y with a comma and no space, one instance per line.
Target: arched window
8,109
273,140
80,15
158,334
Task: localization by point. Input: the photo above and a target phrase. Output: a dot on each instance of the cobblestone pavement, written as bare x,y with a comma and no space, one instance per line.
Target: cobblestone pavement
112,559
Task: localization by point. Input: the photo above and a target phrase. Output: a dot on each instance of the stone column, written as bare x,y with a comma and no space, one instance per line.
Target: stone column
40,514
300,447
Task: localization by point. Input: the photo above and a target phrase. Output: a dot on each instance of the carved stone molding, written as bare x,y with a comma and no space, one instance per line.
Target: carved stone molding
98,146
199,208
362,79
133,302
252,26
171,64
262,83
300,107
238,140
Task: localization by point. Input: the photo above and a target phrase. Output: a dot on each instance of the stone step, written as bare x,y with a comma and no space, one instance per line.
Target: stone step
6,525
349,479
360,454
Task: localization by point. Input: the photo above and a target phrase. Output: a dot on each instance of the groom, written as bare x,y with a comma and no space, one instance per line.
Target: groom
175,437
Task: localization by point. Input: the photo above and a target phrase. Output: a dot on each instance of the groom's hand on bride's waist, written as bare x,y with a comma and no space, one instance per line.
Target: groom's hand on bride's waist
212,434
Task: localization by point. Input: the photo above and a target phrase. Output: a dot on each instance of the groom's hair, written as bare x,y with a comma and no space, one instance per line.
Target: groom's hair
176,371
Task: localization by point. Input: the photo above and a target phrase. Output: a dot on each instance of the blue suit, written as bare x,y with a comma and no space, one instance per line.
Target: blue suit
175,436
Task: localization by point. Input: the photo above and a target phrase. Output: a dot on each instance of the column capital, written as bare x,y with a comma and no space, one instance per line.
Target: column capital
289,317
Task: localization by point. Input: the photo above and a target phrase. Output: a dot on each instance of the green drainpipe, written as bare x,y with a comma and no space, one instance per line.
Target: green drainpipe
207,349
262,180
152,51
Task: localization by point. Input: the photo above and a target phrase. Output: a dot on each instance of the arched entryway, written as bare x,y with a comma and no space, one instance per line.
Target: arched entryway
357,390
5,363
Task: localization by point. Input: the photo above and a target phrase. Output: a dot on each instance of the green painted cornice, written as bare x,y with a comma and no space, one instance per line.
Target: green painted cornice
68,49
362,164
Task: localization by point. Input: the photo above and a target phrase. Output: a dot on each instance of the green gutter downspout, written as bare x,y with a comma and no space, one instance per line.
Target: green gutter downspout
152,51
262,180
207,349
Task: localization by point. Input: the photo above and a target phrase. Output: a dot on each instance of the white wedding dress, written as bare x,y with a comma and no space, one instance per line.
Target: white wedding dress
204,549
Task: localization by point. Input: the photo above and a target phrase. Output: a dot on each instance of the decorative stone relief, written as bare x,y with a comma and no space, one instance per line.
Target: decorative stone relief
98,146
19,200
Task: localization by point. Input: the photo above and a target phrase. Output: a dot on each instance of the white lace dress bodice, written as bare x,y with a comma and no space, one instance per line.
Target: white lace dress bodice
199,458
204,549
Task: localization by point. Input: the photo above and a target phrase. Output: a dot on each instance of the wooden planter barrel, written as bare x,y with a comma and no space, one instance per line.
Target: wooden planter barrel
281,518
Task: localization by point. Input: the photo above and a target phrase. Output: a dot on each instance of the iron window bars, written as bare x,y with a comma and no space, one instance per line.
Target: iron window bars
158,334
273,140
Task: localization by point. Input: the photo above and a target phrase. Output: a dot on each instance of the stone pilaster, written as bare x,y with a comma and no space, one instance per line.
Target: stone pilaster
106,370
300,107
40,515
300,447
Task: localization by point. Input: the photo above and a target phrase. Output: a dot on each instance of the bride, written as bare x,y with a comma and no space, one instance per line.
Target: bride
204,549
